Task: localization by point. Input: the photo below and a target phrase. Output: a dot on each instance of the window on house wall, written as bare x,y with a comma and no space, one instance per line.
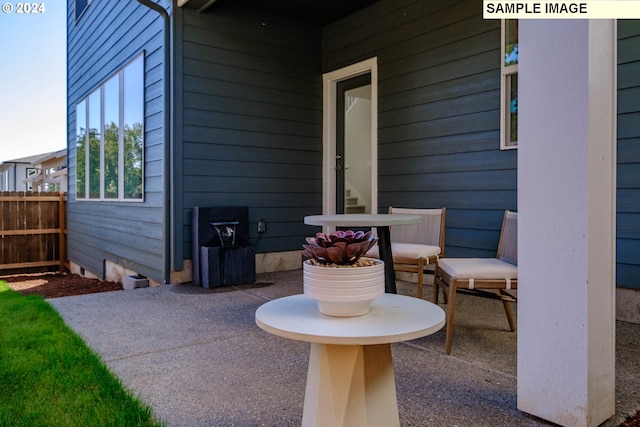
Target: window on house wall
31,173
81,151
110,138
111,146
95,142
132,130
509,85
81,6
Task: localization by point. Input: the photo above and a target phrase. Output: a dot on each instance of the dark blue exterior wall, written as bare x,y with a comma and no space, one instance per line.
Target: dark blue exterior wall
628,195
105,38
247,117
439,112
249,120
439,122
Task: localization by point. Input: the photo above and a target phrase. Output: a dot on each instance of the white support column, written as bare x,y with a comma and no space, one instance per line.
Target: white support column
566,220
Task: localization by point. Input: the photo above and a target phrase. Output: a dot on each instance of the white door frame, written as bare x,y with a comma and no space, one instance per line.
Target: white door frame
329,95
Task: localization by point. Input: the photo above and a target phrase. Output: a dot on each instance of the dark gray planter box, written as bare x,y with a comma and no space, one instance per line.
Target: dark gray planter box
227,265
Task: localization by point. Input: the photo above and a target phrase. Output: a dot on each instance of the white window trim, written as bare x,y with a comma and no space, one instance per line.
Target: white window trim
505,72
102,141
121,138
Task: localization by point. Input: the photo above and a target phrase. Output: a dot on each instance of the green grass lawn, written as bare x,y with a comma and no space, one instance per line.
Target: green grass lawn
49,377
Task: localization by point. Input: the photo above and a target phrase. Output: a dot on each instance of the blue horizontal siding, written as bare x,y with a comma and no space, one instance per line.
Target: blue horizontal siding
248,115
628,172
627,275
251,119
106,38
439,118
439,113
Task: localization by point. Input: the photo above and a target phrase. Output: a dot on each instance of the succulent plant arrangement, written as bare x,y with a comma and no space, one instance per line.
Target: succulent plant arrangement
342,247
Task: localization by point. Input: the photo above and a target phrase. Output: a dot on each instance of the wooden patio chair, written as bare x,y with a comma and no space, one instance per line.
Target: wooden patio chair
416,246
483,277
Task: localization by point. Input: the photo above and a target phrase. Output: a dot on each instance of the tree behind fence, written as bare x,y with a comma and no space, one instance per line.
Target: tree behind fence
32,232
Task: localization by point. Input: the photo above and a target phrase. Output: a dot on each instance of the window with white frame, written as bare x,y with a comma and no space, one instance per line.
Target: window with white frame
509,85
110,138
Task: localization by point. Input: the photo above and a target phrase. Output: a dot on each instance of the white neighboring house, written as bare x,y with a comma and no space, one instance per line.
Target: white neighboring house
40,173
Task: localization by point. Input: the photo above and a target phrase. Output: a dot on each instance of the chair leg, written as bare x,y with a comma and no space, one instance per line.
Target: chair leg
507,310
420,277
438,284
434,297
451,311
436,287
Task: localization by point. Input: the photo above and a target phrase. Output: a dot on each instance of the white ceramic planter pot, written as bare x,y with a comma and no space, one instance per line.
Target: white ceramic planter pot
344,291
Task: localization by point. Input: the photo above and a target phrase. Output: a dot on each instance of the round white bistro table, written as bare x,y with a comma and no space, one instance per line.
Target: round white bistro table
382,222
350,380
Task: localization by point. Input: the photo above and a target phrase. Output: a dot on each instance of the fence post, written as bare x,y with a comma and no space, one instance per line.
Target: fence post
62,225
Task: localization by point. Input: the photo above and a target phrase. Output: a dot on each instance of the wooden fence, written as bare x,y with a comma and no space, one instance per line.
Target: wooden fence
32,232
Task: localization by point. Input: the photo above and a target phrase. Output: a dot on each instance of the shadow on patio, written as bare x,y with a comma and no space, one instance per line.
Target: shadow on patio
197,357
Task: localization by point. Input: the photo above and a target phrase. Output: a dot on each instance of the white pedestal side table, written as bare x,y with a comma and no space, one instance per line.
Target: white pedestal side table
350,381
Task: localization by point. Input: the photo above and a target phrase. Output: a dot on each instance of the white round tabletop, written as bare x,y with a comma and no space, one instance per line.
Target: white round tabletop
392,318
362,220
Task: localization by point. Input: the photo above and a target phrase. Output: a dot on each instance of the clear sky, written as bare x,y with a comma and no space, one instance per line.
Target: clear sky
32,79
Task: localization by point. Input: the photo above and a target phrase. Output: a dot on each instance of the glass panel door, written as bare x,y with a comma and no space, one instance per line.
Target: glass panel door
353,145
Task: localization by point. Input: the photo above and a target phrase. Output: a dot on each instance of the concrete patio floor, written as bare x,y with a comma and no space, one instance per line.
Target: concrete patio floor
197,358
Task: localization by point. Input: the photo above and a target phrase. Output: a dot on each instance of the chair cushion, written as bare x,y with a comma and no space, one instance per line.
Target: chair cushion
406,250
478,268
